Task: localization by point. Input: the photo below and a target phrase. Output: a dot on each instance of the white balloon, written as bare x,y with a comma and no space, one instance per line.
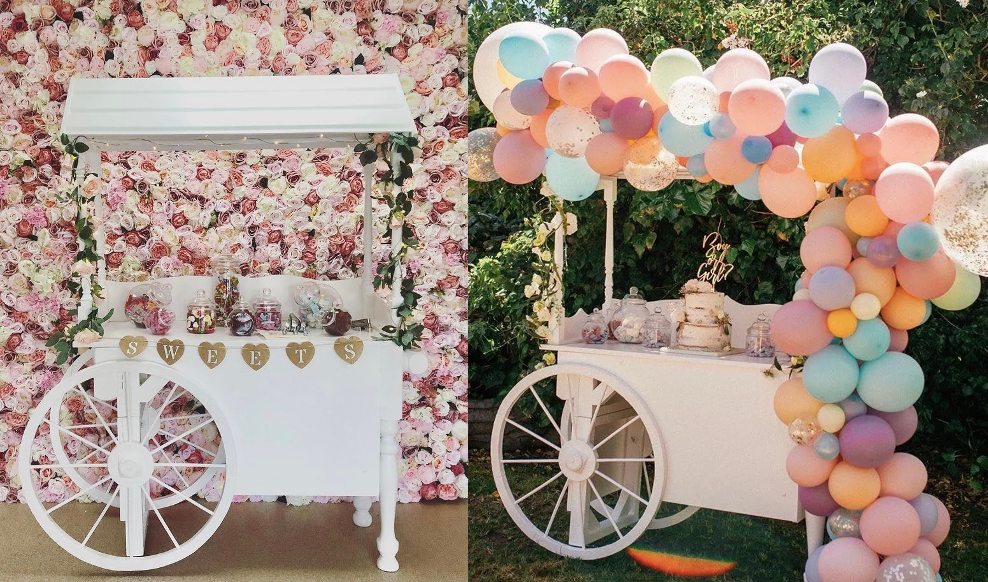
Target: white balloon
786,84
839,67
569,130
485,62
960,210
693,100
507,115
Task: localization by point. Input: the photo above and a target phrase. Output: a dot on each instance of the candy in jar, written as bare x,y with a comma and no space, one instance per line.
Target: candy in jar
758,342
201,314
337,322
657,331
240,320
628,322
267,312
143,298
227,291
158,320
315,302
595,330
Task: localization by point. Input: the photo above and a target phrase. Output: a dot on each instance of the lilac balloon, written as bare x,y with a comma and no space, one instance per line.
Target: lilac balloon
812,571
853,407
832,288
883,251
867,441
602,107
926,506
903,423
631,118
529,97
817,500
865,112
862,245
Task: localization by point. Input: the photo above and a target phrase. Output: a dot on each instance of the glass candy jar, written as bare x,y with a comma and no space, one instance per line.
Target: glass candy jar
595,330
145,297
267,312
227,291
201,315
337,322
240,320
159,320
758,342
628,322
316,303
657,330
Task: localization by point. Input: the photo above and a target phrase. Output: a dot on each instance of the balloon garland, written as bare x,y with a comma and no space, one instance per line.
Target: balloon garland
906,234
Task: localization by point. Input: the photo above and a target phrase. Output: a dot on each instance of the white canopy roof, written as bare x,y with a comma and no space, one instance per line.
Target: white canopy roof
233,113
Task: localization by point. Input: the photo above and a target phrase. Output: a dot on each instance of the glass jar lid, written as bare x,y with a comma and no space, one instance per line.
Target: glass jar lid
201,300
633,298
160,293
596,315
267,300
225,263
761,326
657,313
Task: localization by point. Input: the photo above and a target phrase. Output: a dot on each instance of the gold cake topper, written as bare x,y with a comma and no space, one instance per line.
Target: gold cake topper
716,268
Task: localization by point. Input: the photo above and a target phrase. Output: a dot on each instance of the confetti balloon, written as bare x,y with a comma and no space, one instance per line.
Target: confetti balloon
844,523
649,167
693,100
804,430
569,130
905,568
960,210
671,65
480,160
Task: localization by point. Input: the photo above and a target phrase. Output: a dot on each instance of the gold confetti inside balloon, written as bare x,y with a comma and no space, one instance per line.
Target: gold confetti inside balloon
570,129
804,430
648,166
855,188
960,210
480,147
844,523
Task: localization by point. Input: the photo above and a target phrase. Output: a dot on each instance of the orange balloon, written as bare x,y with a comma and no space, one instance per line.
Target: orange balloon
903,476
792,401
856,173
831,156
783,159
927,279
704,179
550,79
841,322
864,217
904,311
579,87
869,144
605,153
831,212
873,167
787,195
726,163
871,279
538,127
623,76
806,469
854,487
725,101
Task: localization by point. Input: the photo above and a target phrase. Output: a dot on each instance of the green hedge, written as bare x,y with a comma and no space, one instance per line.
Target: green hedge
927,56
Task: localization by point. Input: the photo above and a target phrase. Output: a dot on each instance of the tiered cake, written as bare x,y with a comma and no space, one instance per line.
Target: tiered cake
703,325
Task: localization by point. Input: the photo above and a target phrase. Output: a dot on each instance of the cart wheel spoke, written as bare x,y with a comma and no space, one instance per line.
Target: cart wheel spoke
621,487
102,514
608,514
546,411
183,496
175,438
170,461
185,441
555,509
635,419
78,495
164,404
161,520
528,461
532,434
99,415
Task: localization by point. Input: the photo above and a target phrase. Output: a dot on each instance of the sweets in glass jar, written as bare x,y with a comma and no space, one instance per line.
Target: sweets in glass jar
201,314
240,320
267,312
316,302
337,323
227,291
158,320
145,297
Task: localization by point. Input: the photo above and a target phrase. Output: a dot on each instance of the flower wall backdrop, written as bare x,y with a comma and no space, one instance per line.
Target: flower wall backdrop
278,211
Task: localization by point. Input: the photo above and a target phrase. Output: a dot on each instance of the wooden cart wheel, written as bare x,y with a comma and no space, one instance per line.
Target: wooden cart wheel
123,461
602,452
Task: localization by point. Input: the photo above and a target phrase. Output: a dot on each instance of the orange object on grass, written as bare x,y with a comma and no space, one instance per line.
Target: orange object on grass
680,565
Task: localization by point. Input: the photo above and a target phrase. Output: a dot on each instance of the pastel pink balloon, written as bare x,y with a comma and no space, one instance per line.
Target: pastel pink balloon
782,136
518,158
869,145
550,79
890,526
739,65
597,46
905,192
783,159
926,550
757,107
602,107
579,87
825,246
807,469
529,97
789,195
631,118
623,76
927,279
725,162
900,339
935,170
847,559
893,229
942,528
904,422
909,137
903,476
799,328
605,153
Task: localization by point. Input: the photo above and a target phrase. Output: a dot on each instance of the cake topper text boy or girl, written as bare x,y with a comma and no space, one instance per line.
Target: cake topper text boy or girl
716,268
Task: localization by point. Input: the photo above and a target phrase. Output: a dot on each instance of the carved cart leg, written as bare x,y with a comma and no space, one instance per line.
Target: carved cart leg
361,511
387,543
815,525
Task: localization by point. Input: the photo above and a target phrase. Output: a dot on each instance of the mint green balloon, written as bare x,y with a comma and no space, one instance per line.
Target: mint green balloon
964,291
872,86
870,339
670,66
830,374
891,383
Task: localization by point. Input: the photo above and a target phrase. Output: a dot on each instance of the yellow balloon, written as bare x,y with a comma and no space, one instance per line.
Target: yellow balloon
830,417
505,77
841,322
964,291
866,306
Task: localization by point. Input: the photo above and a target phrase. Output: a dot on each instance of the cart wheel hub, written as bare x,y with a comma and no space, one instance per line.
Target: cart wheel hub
577,460
130,464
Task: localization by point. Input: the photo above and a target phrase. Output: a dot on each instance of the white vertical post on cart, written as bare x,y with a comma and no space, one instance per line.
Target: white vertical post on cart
609,186
368,275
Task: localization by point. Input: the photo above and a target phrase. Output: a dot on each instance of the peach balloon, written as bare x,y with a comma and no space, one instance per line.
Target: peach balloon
825,246
926,550
942,528
597,46
903,476
890,526
623,76
904,311
792,401
854,487
605,153
724,102
725,162
935,170
518,158
538,127
757,107
900,339
869,144
550,79
927,279
909,138
658,105
788,195
501,130
869,278
864,216
579,87
806,469
831,212
893,229
738,65
783,159
831,156
848,559
904,192
871,168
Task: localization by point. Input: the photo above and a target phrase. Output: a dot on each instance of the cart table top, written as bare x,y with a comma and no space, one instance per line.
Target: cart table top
618,349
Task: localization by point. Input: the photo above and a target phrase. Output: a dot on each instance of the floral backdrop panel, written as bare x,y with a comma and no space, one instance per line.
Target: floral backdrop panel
277,211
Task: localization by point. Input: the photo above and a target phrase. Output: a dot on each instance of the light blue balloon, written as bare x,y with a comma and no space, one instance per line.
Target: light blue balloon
799,284
696,166
929,312
891,382
720,126
830,374
605,125
853,407
811,110
524,55
756,149
562,44
862,245
681,139
571,178
918,241
832,288
827,447
870,339
749,188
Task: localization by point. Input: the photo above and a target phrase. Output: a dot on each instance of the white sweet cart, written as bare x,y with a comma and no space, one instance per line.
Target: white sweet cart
162,432
626,429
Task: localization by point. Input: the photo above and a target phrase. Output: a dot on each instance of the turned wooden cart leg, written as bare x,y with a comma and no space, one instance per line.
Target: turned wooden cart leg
361,513
815,526
387,543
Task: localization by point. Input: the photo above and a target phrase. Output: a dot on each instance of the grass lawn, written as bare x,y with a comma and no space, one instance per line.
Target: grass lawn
764,550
